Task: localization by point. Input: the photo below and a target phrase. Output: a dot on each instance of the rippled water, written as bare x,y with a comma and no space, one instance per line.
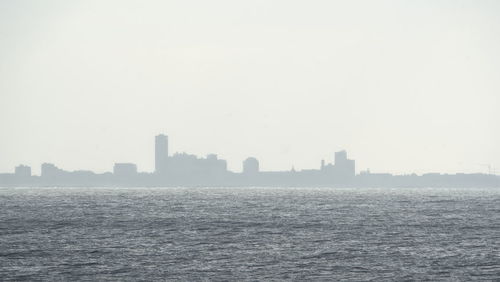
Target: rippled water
249,234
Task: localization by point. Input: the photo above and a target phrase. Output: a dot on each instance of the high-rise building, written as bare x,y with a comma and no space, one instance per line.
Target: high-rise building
344,168
161,153
340,157
23,171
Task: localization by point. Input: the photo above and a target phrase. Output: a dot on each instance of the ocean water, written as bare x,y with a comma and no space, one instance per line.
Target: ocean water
193,234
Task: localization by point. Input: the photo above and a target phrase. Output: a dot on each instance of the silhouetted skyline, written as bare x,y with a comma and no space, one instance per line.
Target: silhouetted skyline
183,169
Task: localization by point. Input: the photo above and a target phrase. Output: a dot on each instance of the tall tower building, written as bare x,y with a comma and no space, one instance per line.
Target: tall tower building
161,153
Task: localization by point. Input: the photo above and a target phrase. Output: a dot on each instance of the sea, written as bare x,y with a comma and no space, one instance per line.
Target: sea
249,234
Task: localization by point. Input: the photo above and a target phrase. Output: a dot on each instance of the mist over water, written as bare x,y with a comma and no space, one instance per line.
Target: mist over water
249,233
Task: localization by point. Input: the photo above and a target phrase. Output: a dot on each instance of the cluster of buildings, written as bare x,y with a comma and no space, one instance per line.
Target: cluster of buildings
181,169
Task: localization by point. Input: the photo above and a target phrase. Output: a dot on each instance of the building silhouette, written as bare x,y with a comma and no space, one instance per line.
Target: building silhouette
50,170
344,168
251,166
182,169
182,164
23,171
161,153
342,171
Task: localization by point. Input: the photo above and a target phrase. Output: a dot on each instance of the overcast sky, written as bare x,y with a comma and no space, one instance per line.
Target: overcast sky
403,86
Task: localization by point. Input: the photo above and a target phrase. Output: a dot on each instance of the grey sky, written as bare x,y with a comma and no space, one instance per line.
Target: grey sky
403,86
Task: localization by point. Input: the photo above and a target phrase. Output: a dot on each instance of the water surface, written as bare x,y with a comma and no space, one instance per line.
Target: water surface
249,234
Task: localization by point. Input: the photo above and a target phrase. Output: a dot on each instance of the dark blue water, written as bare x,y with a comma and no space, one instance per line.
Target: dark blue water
249,234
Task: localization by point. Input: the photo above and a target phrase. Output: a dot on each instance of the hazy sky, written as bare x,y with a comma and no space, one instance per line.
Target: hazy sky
403,86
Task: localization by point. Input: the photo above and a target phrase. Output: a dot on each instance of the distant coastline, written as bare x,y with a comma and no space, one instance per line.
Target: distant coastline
183,169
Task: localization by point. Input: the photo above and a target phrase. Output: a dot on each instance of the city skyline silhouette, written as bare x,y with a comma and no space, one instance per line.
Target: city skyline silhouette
183,169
